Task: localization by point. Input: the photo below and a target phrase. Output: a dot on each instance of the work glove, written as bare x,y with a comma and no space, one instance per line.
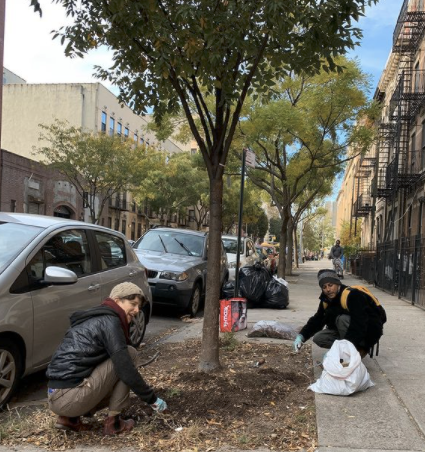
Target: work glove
298,343
159,406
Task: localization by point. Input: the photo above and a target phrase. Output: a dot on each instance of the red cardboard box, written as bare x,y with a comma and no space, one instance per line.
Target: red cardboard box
233,315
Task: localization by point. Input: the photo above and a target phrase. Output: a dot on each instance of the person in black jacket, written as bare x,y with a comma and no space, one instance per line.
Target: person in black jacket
361,323
95,367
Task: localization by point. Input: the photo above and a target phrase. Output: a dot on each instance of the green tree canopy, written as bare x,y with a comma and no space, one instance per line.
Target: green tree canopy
98,165
301,138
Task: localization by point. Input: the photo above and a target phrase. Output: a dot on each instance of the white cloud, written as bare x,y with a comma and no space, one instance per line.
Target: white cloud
31,53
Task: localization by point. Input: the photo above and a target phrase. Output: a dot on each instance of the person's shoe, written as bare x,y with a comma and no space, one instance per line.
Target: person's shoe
114,425
71,424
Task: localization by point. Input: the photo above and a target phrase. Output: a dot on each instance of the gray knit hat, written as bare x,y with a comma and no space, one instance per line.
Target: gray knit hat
327,276
125,289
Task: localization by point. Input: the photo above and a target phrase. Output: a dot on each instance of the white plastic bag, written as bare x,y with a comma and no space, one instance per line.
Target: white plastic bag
342,378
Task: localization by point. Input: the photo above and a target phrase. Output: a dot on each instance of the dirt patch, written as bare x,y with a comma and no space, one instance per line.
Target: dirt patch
247,404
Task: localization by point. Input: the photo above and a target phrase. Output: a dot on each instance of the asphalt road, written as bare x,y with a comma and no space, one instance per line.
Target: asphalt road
32,390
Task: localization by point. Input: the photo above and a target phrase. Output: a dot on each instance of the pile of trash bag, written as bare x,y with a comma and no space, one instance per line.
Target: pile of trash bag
259,287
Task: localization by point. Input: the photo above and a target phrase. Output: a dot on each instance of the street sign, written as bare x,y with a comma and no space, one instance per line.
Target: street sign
250,158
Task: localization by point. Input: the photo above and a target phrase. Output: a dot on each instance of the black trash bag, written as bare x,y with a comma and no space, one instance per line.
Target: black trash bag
228,290
253,282
276,296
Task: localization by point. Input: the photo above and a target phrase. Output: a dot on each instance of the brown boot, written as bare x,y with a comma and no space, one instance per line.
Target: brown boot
114,425
71,423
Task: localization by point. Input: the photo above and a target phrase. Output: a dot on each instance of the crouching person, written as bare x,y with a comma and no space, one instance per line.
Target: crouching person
95,367
343,313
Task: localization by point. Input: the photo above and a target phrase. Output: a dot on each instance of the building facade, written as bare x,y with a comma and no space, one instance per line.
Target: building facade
91,107
390,190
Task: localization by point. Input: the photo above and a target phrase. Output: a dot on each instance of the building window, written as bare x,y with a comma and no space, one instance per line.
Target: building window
117,224
135,137
103,125
191,215
126,132
193,151
103,222
110,222
119,128
139,230
124,226
133,230
13,205
111,126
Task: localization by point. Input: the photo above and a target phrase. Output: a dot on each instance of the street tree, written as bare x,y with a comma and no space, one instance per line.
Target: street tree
98,165
204,58
172,183
301,137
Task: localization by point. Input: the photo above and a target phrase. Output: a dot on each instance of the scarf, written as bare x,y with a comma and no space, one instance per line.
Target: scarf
121,314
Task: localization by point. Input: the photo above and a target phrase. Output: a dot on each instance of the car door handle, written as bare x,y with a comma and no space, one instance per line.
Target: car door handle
94,287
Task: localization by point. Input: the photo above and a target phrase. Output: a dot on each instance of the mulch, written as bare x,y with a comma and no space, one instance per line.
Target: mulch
258,398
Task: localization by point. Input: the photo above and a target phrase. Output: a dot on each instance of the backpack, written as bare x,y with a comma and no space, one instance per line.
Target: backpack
366,291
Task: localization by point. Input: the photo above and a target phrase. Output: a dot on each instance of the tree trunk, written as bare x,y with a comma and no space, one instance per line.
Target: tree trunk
290,244
281,269
296,255
209,358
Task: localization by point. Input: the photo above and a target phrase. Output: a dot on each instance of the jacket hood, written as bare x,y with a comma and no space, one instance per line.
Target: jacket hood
81,316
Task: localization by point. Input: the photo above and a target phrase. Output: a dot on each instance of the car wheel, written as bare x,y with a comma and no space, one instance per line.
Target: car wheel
138,328
10,370
195,301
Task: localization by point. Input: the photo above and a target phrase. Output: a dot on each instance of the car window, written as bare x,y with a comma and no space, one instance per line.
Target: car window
172,242
231,245
68,250
13,239
112,250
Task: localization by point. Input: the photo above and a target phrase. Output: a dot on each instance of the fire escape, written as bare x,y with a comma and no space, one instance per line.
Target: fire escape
397,166
364,203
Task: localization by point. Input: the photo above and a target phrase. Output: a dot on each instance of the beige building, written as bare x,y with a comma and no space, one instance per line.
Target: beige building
89,106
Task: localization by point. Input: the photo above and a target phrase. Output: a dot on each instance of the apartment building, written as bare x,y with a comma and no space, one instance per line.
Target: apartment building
89,106
390,190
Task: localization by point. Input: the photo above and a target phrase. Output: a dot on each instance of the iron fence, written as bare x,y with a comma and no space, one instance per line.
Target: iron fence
398,267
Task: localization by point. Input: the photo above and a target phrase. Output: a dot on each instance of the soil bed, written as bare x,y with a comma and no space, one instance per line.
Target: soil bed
247,404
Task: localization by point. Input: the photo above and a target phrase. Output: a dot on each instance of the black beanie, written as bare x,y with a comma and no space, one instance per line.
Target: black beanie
328,276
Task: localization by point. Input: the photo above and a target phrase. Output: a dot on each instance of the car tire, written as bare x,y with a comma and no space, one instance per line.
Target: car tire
138,328
195,301
10,370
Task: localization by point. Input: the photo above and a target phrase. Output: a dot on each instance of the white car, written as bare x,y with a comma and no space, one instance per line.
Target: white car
248,254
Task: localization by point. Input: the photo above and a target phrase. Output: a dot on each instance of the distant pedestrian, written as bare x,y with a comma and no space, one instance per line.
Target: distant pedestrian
95,367
359,321
336,254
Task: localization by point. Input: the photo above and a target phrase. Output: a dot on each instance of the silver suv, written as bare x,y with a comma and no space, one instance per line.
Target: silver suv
49,268
176,262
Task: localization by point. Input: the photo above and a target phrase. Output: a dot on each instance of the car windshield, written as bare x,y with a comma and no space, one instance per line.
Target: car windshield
172,242
13,239
231,246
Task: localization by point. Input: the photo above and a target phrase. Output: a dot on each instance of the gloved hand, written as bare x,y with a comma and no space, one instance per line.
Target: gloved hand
298,343
159,406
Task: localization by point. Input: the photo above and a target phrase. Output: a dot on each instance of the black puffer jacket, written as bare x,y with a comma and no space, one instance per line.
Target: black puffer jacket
95,335
366,326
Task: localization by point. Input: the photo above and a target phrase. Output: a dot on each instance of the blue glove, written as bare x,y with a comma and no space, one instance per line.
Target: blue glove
159,406
298,343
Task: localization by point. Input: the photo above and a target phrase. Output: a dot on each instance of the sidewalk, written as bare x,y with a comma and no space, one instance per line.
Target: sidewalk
389,417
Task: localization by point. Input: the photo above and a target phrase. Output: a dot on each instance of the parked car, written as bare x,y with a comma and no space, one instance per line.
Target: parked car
49,268
248,254
176,262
